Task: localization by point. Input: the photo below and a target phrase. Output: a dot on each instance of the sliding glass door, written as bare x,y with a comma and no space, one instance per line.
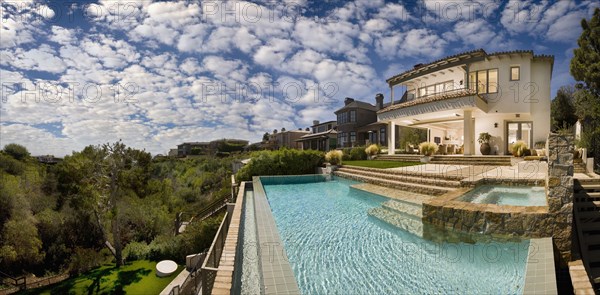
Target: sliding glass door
518,131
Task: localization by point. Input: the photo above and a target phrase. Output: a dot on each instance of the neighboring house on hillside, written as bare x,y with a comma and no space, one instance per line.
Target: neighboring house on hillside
323,137
285,139
185,149
357,123
506,94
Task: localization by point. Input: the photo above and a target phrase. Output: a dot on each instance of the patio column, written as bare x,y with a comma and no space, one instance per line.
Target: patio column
391,138
469,131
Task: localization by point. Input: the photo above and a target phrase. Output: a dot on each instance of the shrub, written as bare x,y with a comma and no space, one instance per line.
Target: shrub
84,259
334,157
428,148
358,153
372,150
519,148
17,151
281,162
136,251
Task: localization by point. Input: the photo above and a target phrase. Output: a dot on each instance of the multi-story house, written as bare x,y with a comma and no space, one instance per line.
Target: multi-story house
506,94
323,137
286,139
357,123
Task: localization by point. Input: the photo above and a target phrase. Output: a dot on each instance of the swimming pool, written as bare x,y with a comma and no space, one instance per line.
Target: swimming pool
334,247
506,195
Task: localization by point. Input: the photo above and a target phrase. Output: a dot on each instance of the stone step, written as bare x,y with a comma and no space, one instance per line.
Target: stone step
413,187
591,186
477,163
587,205
410,171
592,240
403,178
587,214
589,227
584,196
397,220
411,198
579,278
409,209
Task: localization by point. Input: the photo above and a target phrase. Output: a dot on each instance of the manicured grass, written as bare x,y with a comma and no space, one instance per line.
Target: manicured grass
137,277
380,164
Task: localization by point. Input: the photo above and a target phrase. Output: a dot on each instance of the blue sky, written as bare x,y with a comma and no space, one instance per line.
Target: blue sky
155,74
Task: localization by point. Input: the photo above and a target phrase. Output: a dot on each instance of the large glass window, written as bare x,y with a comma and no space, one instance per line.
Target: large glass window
382,136
352,116
473,81
482,82
436,88
485,81
493,81
515,73
352,137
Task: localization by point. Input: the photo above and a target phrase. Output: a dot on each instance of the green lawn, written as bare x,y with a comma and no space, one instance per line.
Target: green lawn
137,277
380,163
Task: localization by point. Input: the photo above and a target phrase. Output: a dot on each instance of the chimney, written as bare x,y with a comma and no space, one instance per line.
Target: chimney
379,101
348,100
315,122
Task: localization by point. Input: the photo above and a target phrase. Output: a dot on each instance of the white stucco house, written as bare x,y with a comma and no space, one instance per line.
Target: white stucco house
506,94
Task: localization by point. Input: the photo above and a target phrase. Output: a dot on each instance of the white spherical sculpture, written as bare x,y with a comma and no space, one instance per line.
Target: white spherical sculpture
165,268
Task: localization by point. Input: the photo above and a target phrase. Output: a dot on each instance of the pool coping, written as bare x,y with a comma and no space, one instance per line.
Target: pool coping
277,276
540,273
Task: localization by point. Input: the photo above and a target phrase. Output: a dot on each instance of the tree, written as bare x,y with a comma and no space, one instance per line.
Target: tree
99,178
563,108
585,68
17,151
585,64
265,137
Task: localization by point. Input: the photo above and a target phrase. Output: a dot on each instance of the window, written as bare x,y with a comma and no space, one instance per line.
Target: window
352,137
382,137
352,116
482,82
342,118
485,81
436,88
515,73
493,81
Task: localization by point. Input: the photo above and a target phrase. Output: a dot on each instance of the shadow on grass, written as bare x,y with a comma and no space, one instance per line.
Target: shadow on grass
126,278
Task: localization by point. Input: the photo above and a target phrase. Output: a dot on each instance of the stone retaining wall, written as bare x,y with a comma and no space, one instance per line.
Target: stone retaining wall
554,220
488,219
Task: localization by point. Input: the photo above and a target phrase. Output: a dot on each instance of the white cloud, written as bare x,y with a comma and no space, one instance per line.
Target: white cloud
476,33
40,59
422,42
567,28
274,53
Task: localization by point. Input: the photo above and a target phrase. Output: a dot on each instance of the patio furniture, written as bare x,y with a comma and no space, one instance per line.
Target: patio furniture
451,149
442,150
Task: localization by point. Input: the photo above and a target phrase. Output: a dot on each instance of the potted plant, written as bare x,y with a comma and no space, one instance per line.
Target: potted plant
484,140
334,158
519,149
427,149
371,151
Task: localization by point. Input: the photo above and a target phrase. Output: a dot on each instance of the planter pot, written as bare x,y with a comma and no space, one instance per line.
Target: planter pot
425,159
485,148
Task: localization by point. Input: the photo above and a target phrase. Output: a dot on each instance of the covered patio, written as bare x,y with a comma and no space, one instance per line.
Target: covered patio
449,119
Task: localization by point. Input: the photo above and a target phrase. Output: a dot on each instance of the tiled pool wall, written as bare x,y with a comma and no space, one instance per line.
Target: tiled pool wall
293,179
276,274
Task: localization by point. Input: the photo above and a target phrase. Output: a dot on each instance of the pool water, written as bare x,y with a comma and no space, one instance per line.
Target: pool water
507,195
334,247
